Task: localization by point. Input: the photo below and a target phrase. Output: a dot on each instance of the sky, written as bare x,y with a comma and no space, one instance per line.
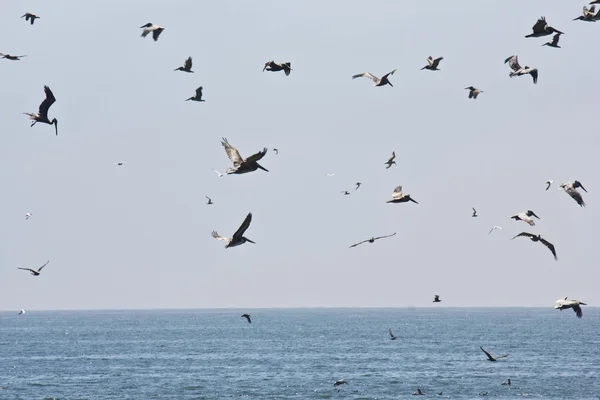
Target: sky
138,235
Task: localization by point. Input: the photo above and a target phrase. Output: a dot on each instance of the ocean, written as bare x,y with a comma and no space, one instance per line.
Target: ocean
299,354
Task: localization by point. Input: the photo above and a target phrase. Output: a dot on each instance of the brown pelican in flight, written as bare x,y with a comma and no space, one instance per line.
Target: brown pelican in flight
399,197
474,212
198,96
541,28
538,238
513,63
21,312
29,16
42,115
391,161
373,239
571,189
588,14
187,66
473,92
275,67
340,382
392,337
247,316
526,217
378,82
240,165
436,299
554,42
549,183
238,237
13,58
155,29
209,202
492,358
33,271
563,304
418,393
433,64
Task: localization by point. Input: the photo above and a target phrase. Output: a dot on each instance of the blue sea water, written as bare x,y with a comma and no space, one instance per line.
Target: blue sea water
299,353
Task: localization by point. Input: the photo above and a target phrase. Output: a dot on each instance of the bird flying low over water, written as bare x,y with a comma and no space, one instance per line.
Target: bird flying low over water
247,316
392,337
399,197
378,82
339,382
538,238
21,312
436,299
418,393
494,228
373,239
554,42
507,382
209,202
155,29
198,96
30,17
391,161
526,217
474,212
240,165
433,64
548,183
473,92
33,271
588,14
571,189
272,66
42,115
187,66
513,63
563,304
490,357
541,28
238,237
13,58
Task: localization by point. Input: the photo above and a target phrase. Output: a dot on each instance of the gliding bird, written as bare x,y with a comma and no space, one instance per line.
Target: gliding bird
433,64
238,237
240,165
538,238
490,357
378,82
33,271
571,189
155,29
541,28
187,66
399,197
373,239
42,115
13,58
513,63
563,304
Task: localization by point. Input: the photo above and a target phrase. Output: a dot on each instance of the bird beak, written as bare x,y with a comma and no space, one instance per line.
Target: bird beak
414,201
261,167
535,215
390,83
248,240
583,188
56,126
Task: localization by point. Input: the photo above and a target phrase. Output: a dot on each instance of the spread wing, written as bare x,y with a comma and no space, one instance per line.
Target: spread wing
540,25
216,236
383,237
26,269
430,60
577,310
356,244
392,157
232,153
391,334
524,234
576,196
287,67
489,356
367,75
534,73
199,92
243,227
145,32
48,101
156,34
188,63
550,246
397,193
436,62
513,63
267,64
257,156
388,74
40,269
502,356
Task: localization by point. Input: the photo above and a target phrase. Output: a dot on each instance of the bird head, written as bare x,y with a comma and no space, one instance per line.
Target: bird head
55,123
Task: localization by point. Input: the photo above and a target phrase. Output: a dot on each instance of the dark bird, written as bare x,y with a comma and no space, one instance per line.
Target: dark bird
198,96
526,217
187,66
378,82
554,42
275,67
357,186
345,192
33,271
247,316
241,166
490,357
473,92
548,183
474,212
13,58
42,115
436,299
339,382
433,64
30,17
513,63
507,382
399,197
373,239
392,337
209,202
538,238
588,14
541,28
571,189
238,237
276,151
155,29
391,161
563,304
418,393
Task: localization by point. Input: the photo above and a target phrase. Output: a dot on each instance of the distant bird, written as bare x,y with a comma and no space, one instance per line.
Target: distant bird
507,382
432,64
187,66
436,299
240,165
399,197
276,67
588,14
549,183
247,316
490,357
390,161
30,17
198,96
21,312
238,237
483,393
119,163
28,215
33,271
276,151
373,239
571,189
474,212
541,28
440,393
494,228
13,58
563,304
378,82
209,202
339,382
392,337
526,217
345,192
155,29
357,186
418,393
42,115
554,42
330,175
513,63
218,173
473,92
538,238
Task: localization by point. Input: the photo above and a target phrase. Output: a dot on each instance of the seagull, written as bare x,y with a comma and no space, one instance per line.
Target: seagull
549,183
378,82
554,42
436,299
345,192
330,175
198,96
155,29
571,189
418,393
538,238
357,186
562,304
42,115
276,151
399,197
473,92
187,66
119,163
507,382
21,312
240,165
588,15
218,173
541,28
28,215
238,238
474,212
526,217
513,63
391,161
275,67
494,228
209,202
29,16
247,316
13,58
490,357
373,239
34,272
392,337
433,64
339,382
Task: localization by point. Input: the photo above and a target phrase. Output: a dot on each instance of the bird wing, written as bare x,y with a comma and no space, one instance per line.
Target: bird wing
287,67
540,25
216,236
145,32
383,237
40,268
502,356
534,74
575,195
232,153
188,63
474,211
524,234
207,198
26,269
397,193
513,63
257,156
367,75
436,62
48,101
487,354
243,227
156,33
199,92
392,157
550,246
430,60
356,244
577,310
388,74
391,334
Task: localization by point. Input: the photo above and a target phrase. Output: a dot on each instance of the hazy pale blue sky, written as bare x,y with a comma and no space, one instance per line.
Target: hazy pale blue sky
138,236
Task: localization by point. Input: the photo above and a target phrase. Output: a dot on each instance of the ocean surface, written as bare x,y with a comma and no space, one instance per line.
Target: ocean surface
299,354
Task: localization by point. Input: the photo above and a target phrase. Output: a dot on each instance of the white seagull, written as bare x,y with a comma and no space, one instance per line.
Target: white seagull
494,228
218,173
28,215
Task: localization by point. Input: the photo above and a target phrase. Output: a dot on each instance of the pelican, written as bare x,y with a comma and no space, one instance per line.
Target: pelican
392,337
238,237
433,64
494,228
474,212
436,299
155,29
209,202
357,186
218,173
554,42
345,192
473,92
562,304
549,183
42,115
33,271
119,163
198,96
13,58
275,67
538,238
28,215
571,189
373,239
588,14
399,197
187,66
21,312
391,161
526,217
513,63
240,165
507,382
339,382
29,16
378,82
247,316
418,393
276,151
490,357
541,28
